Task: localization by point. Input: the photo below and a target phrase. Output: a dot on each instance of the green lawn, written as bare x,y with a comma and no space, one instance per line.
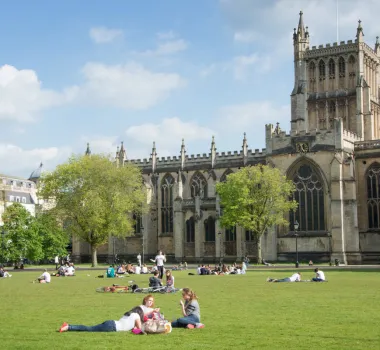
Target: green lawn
240,312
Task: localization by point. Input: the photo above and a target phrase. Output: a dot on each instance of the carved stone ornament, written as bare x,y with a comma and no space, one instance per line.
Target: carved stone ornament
302,147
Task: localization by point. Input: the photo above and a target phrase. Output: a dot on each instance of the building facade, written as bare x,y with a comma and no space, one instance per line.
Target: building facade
331,153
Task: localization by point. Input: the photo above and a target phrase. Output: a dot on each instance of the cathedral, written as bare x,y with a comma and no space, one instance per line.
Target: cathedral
331,154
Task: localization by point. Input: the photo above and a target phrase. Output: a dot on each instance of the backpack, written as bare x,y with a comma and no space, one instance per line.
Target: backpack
157,327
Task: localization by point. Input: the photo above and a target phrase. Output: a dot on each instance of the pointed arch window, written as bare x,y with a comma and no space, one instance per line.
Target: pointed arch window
190,230
342,67
309,194
250,236
167,204
198,185
231,234
322,70
137,219
312,76
373,197
210,229
225,174
331,69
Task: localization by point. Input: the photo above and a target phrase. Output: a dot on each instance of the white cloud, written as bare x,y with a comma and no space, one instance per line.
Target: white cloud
23,161
100,144
103,35
246,36
128,86
168,47
253,115
22,95
167,134
166,35
241,65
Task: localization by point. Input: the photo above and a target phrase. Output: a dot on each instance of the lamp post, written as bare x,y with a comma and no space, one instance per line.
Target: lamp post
143,251
296,226
220,248
114,256
330,250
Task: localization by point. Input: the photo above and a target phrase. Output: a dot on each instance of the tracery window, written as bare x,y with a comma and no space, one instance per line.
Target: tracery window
342,67
167,204
373,197
351,72
312,77
322,70
190,230
249,236
309,193
210,229
231,234
198,185
331,69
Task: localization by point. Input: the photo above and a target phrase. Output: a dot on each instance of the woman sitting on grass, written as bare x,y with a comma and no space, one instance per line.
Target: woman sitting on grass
190,310
169,279
132,319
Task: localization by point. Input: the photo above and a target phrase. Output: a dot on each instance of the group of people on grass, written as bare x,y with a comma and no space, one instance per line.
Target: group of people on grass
296,277
233,269
134,319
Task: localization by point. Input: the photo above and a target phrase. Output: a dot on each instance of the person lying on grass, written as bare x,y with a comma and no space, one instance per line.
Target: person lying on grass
131,320
190,310
293,278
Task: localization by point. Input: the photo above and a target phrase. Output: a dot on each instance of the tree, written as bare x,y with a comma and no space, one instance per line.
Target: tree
95,198
256,198
53,238
22,239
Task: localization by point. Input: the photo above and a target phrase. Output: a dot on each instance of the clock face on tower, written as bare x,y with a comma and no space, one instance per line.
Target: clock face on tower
302,147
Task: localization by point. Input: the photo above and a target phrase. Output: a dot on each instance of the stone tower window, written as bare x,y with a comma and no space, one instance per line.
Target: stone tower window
138,221
312,85
373,197
351,72
167,204
198,185
210,229
190,230
309,194
342,67
331,69
322,70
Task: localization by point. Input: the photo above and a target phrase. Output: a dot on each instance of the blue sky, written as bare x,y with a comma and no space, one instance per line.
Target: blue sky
103,72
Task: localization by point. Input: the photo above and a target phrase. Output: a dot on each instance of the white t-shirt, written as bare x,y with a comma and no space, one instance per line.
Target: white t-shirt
127,323
160,259
321,275
70,270
137,270
144,269
47,277
146,310
198,270
295,277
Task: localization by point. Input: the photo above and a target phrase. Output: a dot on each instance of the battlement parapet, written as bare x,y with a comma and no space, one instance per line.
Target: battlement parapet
351,136
331,49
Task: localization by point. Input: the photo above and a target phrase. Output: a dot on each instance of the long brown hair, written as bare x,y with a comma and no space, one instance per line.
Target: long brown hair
146,299
189,292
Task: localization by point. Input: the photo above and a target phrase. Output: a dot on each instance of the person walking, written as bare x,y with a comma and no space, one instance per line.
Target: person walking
56,261
139,259
160,259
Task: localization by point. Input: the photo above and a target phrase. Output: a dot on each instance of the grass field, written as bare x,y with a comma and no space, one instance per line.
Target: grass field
239,311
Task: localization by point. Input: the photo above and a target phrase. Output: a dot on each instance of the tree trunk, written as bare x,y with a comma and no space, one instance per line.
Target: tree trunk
94,256
258,252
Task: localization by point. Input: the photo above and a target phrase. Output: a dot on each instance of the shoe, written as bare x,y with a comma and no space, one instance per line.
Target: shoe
199,325
65,324
190,326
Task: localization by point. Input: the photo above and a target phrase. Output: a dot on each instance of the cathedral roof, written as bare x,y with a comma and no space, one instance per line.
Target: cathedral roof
36,174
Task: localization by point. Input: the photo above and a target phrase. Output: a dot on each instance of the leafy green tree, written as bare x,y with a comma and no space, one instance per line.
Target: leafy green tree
256,198
95,198
53,238
21,239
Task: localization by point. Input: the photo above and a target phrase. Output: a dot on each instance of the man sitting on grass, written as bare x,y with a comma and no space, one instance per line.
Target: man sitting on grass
110,272
293,278
319,276
154,281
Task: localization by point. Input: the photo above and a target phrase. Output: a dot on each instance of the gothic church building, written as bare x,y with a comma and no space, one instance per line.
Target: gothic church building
331,154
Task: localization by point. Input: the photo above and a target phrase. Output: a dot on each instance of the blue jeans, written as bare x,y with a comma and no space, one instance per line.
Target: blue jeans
287,279
106,326
317,279
184,321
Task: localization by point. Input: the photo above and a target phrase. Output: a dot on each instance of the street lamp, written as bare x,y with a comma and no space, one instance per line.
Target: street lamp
142,231
296,226
330,246
220,246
